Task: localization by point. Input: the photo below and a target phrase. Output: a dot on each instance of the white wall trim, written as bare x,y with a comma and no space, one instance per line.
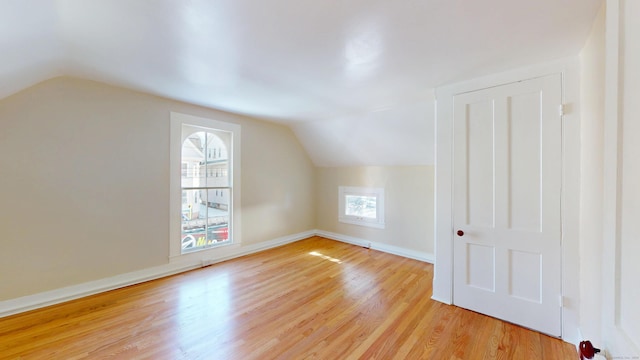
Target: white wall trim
175,189
56,296
395,250
617,342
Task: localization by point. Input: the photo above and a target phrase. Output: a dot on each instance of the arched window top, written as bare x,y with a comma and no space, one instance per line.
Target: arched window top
205,146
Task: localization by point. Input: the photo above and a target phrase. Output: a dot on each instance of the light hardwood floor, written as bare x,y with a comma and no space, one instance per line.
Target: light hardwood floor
314,299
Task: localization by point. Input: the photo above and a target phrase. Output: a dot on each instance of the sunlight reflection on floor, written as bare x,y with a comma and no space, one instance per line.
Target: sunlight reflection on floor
205,312
315,253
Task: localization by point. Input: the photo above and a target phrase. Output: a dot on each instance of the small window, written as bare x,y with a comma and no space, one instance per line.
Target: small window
361,206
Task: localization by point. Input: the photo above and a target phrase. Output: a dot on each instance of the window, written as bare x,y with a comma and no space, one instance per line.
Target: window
205,178
361,206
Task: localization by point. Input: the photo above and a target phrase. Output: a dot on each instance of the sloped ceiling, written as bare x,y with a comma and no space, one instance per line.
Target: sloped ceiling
323,67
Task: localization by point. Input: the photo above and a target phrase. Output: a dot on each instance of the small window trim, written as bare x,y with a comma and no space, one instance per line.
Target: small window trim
175,190
378,193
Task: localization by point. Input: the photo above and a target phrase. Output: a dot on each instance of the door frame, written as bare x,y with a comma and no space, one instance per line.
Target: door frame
443,234
616,341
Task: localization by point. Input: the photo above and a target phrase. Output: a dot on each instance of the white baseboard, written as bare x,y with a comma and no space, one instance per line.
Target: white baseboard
56,296
576,342
435,298
52,297
395,250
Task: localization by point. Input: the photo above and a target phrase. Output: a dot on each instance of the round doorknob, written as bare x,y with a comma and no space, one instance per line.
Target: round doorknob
460,232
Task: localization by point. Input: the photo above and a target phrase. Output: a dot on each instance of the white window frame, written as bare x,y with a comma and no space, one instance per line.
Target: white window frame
378,193
175,191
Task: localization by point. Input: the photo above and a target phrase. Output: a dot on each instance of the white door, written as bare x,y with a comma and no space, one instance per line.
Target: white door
506,199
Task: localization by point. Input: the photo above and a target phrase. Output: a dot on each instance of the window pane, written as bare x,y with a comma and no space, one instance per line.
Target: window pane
362,206
218,216
218,174
217,161
193,159
205,218
194,223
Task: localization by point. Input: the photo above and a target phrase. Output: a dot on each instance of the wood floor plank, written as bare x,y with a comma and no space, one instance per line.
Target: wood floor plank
313,299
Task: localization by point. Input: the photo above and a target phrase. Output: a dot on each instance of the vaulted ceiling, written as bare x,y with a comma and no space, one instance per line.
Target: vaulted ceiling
309,64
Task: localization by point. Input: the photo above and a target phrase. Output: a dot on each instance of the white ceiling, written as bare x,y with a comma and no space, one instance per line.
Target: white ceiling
290,61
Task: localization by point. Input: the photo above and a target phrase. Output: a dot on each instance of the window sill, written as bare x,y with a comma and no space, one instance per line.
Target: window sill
362,223
213,253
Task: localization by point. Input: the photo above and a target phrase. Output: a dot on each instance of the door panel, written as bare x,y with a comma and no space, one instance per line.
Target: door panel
507,177
525,268
524,162
479,139
480,268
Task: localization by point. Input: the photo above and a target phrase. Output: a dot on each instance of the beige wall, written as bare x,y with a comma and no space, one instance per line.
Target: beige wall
85,183
591,179
409,194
